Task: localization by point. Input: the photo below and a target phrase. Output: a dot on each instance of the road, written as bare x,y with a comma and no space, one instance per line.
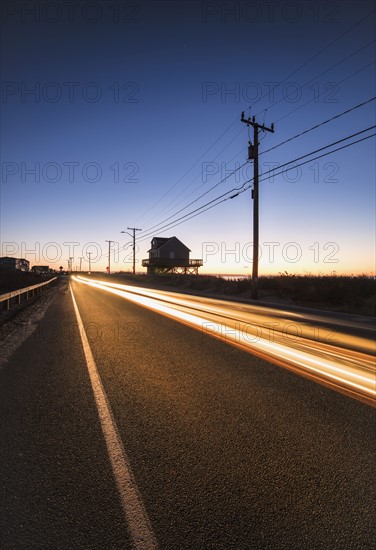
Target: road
333,349
222,449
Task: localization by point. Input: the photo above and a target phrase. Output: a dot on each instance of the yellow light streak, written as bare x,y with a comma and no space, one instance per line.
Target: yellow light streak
346,368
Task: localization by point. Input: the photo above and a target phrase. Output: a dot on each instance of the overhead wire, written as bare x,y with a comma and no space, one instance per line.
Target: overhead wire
157,226
319,125
202,209
317,54
187,172
299,107
244,187
324,91
193,181
202,195
320,156
310,101
262,176
321,74
143,237
326,146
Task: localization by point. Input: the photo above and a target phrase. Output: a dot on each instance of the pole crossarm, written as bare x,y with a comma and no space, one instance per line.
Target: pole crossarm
252,122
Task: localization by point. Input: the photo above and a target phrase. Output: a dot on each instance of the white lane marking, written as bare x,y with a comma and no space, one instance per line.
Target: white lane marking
138,523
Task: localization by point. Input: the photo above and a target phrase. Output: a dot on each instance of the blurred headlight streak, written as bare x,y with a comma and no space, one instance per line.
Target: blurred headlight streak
342,361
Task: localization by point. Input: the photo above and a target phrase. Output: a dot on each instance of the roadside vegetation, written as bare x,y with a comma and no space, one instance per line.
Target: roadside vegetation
347,294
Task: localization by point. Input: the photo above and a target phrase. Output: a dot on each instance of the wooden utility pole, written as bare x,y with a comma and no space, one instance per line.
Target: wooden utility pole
109,256
253,154
133,229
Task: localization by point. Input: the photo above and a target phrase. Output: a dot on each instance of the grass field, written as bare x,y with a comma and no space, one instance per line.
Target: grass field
346,294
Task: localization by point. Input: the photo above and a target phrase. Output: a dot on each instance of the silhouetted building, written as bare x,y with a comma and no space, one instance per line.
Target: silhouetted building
41,269
169,255
14,264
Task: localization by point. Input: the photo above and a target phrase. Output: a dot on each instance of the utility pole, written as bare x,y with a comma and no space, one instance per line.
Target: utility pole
80,263
109,256
71,264
133,229
253,154
89,254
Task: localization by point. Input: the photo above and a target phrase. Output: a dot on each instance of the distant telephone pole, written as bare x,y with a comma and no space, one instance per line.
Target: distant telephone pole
133,229
109,256
80,263
253,155
89,254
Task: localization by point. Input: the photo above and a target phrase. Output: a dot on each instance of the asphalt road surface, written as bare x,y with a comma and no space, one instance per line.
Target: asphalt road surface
136,431
338,350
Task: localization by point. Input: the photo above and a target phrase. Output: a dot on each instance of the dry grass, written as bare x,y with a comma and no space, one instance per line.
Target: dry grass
347,294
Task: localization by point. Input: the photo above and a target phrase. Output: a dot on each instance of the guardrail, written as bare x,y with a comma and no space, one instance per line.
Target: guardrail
26,290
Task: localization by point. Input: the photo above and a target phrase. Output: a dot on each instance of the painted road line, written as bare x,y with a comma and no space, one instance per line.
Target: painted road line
140,529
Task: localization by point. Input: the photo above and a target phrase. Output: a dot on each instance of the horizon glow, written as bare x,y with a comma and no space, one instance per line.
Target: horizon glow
112,121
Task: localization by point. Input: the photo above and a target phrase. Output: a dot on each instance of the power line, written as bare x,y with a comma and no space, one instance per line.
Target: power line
310,129
156,226
325,147
258,100
324,91
191,183
199,208
198,198
318,125
310,101
322,73
243,188
250,185
320,156
187,172
209,208
321,51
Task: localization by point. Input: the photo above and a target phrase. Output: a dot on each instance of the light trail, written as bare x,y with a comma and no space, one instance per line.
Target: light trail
343,361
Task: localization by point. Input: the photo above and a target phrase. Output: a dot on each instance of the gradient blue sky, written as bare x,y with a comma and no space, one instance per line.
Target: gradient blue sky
137,113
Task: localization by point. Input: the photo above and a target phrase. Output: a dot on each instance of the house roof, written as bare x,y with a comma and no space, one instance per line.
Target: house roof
161,241
158,241
11,259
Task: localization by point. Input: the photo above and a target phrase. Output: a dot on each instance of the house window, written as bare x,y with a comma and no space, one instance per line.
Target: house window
172,255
